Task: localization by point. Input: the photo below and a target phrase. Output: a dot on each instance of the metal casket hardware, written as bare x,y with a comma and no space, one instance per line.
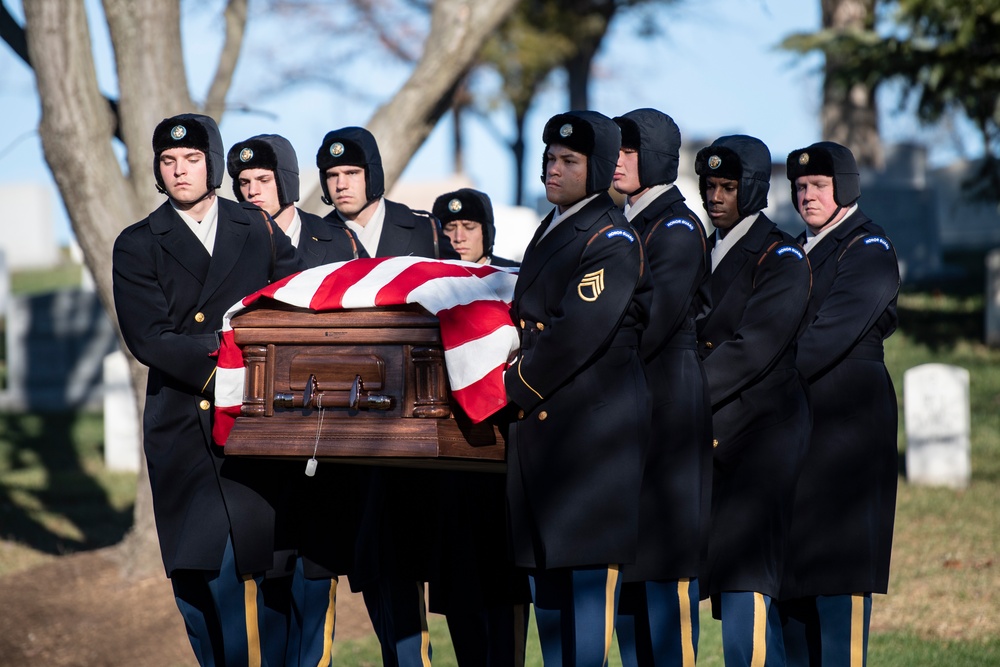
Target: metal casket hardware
312,397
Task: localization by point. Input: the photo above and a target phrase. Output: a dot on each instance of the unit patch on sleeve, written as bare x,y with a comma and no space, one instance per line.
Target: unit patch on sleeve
680,221
790,251
878,240
591,286
622,233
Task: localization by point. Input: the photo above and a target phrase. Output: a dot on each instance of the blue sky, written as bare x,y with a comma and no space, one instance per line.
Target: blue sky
715,68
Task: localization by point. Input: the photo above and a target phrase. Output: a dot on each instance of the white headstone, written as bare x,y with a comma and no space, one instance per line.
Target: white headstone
936,403
993,297
4,284
121,421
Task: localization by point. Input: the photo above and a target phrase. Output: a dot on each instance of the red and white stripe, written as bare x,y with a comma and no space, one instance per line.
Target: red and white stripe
471,301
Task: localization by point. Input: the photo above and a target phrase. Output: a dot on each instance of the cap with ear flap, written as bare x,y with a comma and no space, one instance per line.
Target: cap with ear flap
356,147
591,133
468,204
266,151
826,158
742,158
656,138
190,130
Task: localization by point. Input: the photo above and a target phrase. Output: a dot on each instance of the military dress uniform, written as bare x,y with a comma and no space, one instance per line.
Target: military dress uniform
574,451
759,294
841,533
473,582
170,296
313,556
299,590
676,486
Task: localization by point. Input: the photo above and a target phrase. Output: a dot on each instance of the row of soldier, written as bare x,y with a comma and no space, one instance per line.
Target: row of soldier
690,416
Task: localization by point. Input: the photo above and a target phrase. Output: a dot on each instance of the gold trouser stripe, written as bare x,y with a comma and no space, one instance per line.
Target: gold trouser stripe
759,655
609,609
328,626
210,376
425,636
687,629
250,609
857,630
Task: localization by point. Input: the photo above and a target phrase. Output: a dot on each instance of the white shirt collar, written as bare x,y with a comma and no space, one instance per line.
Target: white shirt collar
294,231
558,217
647,198
371,233
723,244
812,240
204,229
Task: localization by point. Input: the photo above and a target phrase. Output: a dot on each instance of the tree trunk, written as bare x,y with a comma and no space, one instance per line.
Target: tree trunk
850,114
458,30
578,77
518,149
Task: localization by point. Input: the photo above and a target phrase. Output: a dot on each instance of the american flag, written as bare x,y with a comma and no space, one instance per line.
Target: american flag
472,302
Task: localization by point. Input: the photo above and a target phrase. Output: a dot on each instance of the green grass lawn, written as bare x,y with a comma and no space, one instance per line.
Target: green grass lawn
56,498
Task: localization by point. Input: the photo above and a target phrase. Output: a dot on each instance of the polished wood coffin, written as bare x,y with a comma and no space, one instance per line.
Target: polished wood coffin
360,386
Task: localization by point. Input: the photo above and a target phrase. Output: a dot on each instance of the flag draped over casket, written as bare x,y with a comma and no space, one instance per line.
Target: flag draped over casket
471,301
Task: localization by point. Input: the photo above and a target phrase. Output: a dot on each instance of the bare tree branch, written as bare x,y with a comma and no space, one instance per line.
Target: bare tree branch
152,82
12,33
236,22
458,31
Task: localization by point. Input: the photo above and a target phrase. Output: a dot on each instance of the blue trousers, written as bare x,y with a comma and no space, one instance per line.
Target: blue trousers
827,630
398,614
299,616
575,611
489,637
219,608
751,630
658,623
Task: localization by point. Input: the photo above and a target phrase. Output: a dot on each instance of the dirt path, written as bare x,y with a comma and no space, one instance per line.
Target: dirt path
78,611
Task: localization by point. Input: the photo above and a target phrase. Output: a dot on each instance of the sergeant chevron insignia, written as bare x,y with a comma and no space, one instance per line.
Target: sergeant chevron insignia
591,286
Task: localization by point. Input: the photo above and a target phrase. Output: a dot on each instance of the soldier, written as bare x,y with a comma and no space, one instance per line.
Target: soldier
759,289
265,172
658,614
297,607
350,173
392,560
467,218
841,534
474,584
176,272
574,457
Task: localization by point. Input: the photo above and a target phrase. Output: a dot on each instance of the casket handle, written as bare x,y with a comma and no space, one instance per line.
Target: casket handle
312,397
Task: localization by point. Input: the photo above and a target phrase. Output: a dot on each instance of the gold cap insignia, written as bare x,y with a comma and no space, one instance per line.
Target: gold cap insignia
714,162
455,205
336,149
804,159
178,132
591,286
246,155
565,130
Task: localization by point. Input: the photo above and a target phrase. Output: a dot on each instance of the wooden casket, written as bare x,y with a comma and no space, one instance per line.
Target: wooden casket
377,376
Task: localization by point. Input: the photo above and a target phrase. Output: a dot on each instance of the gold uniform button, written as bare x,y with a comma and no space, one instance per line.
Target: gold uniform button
520,414
715,443
522,324
199,317
204,405
708,345
541,327
543,415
